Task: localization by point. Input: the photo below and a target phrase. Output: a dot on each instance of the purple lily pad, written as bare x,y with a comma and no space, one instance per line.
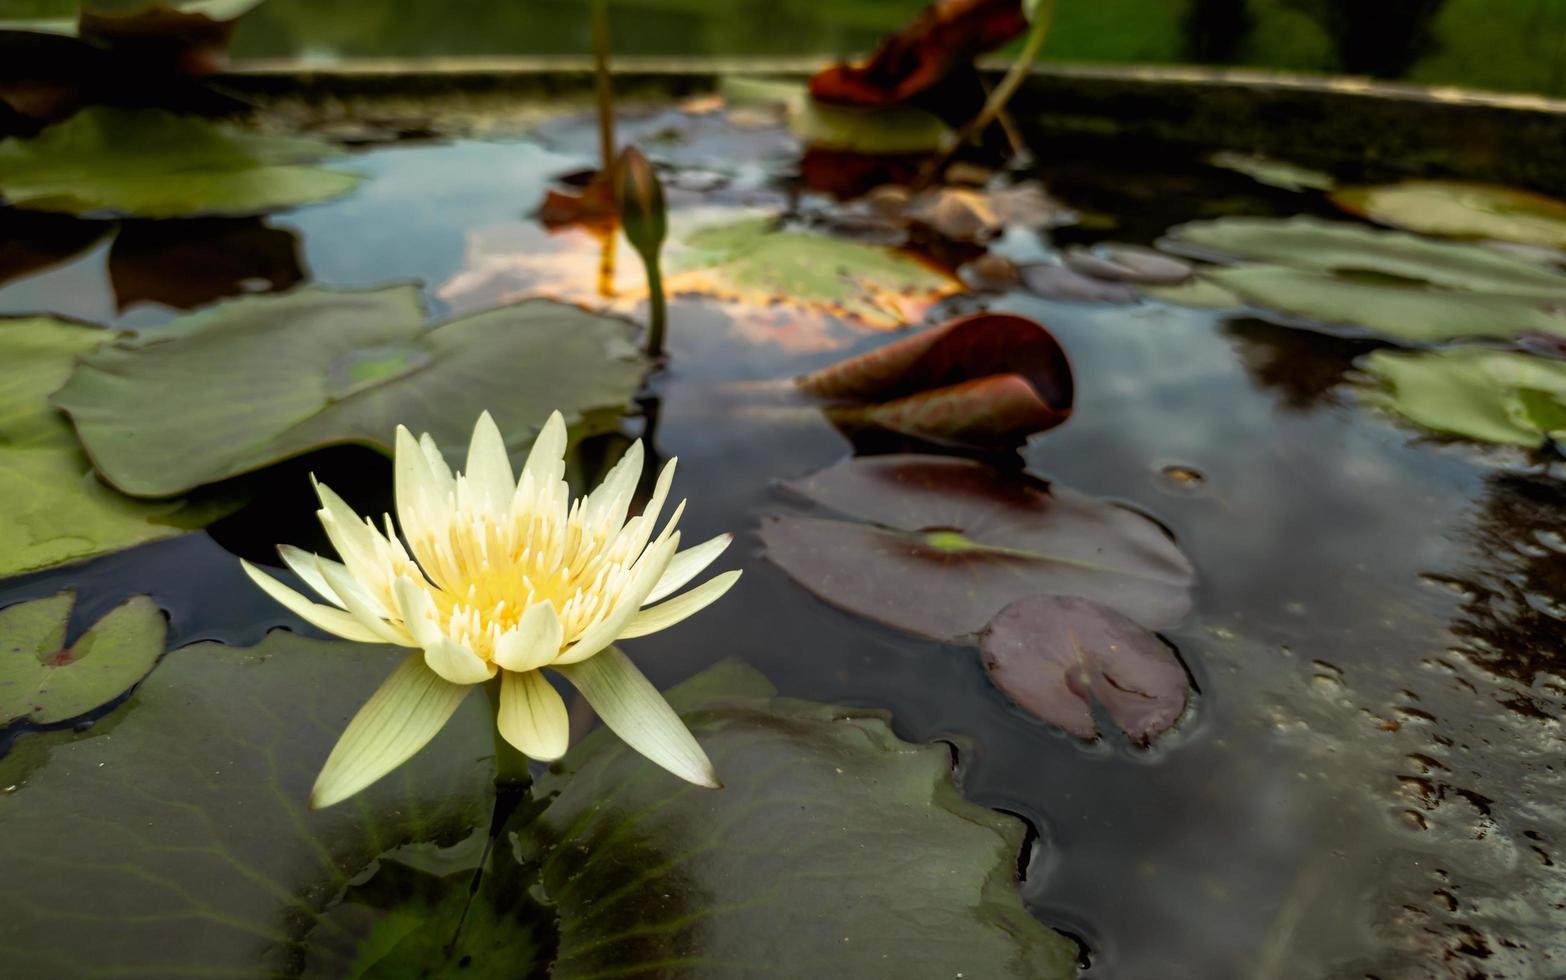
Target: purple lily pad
937,546
1054,655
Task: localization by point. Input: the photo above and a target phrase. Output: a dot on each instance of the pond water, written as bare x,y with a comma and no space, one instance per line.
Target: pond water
1370,781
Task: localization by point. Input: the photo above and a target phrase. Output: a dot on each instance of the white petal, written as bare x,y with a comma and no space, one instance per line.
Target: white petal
440,472
644,575
420,497
532,716
533,642
688,564
303,564
370,612
634,710
607,505
400,718
542,479
488,473
357,543
666,614
328,618
444,655
634,536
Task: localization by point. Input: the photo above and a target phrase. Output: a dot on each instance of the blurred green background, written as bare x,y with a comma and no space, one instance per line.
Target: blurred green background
1517,45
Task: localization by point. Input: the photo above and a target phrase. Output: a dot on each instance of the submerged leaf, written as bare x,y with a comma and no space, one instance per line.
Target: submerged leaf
987,378
254,381
1491,395
55,510
45,682
1456,209
938,546
153,164
1054,655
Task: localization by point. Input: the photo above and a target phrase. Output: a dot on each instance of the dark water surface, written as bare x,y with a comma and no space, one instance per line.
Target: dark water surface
1373,780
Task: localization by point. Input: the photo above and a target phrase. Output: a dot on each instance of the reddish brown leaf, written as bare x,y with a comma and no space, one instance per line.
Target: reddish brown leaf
987,379
946,35
592,205
1054,655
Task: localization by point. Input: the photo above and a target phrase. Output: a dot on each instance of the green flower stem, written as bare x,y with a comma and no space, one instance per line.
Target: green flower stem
658,313
511,770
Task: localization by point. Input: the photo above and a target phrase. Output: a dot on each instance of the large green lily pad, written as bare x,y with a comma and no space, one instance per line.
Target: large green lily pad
177,828
253,381
1390,283
44,681
752,262
1476,392
938,546
154,164
1457,209
55,510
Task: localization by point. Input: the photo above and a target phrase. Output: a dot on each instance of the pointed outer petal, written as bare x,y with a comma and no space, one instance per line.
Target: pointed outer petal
408,709
440,471
328,618
639,529
646,574
609,502
356,542
420,498
664,615
448,658
370,612
634,710
532,716
688,564
533,642
303,564
488,472
545,467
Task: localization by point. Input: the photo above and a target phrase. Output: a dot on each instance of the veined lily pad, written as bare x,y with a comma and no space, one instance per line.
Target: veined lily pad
835,849
55,509
938,546
44,681
1491,395
251,382
1051,655
988,378
751,262
153,164
1461,210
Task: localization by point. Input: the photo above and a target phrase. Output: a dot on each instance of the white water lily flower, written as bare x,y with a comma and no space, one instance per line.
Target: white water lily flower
503,577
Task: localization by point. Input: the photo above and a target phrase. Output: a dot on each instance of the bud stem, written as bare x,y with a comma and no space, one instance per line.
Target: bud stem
658,314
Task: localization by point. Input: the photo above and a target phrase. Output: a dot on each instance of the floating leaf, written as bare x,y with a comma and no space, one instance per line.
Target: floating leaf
55,510
945,544
254,381
1198,291
1274,173
1461,210
134,823
968,214
987,378
45,682
1065,283
1476,392
153,164
750,262
834,850
946,35
1054,655
1127,263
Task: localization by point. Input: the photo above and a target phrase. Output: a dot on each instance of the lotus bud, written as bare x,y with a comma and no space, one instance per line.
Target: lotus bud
639,198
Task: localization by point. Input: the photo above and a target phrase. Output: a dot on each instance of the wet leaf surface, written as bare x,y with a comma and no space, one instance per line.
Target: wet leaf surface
56,510
988,378
105,161
1490,395
158,412
44,681
1455,209
1054,656
938,546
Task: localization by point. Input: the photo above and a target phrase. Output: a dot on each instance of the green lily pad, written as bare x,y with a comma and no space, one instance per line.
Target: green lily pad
254,381
178,826
44,681
938,546
1456,209
752,262
154,164
1476,392
56,510
1274,173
